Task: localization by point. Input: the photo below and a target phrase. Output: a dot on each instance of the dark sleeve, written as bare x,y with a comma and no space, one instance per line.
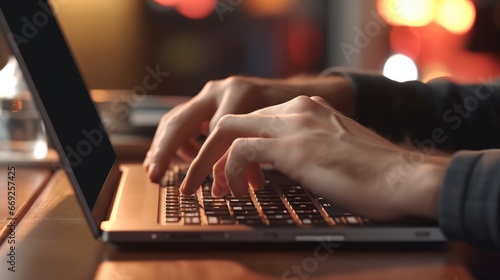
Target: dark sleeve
440,114
469,201
469,118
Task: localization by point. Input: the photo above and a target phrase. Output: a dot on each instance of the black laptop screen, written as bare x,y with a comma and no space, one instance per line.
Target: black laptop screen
62,91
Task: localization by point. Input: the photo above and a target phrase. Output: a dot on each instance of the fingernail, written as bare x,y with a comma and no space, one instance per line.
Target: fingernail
215,190
183,188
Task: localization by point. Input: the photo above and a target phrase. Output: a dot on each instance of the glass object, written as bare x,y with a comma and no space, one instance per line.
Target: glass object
22,132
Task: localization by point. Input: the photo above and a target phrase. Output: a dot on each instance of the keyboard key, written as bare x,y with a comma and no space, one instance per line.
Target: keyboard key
173,219
216,212
274,207
191,214
306,211
280,222
243,208
213,220
251,222
269,199
306,221
300,203
248,217
216,207
352,220
273,212
189,209
278,217
192,220
338,221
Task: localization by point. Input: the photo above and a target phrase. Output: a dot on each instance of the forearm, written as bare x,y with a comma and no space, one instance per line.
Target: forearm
469,199
438,115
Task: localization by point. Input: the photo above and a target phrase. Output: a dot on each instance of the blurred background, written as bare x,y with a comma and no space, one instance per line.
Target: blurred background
118,43
114,41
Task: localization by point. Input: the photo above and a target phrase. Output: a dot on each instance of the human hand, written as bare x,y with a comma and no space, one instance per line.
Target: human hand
323,150
180,127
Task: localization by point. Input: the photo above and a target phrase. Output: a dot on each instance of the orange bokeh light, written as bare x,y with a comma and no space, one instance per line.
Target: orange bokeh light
265,8
405,41
457,16
193,9
196,9
167,3
407,12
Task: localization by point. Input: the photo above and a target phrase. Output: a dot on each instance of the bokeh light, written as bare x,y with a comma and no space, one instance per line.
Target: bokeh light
435,70
400,68
407,12
196,9
456,16
167,3
265,8
405,41
41,149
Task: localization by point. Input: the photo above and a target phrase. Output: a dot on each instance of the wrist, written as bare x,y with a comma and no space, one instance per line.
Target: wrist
419,194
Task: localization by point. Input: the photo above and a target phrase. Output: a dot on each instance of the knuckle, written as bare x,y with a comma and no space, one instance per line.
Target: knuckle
210,88
236,80
242,149
241,85
226,121
306,120
304,104
172,122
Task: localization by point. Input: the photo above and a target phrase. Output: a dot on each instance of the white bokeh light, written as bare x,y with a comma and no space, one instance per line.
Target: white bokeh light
400,68
41,149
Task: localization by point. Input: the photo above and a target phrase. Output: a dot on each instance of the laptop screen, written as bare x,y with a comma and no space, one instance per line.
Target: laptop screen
65,100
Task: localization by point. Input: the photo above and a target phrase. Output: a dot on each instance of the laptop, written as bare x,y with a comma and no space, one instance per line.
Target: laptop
121,205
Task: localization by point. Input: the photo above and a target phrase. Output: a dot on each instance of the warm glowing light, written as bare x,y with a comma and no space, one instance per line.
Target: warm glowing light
263,8
196,9
8,82
41,149
400,68
167,3
456,16
435,71
407,12
405,41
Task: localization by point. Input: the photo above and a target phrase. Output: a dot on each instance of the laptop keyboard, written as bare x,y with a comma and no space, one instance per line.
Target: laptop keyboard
276,204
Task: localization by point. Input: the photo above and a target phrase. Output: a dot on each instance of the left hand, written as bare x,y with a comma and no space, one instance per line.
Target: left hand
321,149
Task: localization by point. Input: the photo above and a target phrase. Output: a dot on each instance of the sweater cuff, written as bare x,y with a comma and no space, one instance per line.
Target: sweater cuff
469,198
380,104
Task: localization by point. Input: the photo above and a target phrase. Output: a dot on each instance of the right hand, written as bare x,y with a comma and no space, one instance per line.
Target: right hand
179,128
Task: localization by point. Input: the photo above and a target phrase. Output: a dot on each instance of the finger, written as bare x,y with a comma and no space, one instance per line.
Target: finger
158,132
255,176
177,129
188,150
219,185
238,164
229,128
232,104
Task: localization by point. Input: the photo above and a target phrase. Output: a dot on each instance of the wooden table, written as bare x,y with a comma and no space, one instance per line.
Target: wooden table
54,242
